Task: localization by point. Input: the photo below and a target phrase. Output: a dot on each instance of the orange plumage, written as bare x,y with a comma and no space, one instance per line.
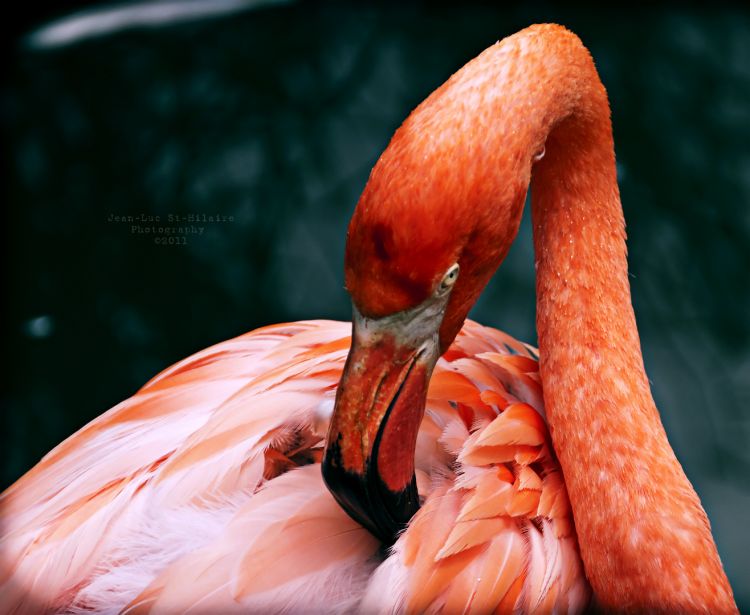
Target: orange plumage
203,493
228,443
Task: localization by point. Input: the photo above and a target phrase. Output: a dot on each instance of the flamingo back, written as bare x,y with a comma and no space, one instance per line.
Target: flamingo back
202,493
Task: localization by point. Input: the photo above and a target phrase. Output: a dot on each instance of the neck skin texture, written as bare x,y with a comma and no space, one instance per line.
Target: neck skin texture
467,153
645,539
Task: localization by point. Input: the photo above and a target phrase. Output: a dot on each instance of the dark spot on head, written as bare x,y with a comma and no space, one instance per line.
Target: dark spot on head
382,241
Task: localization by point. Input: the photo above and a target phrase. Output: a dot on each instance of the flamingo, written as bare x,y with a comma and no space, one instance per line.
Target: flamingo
453,469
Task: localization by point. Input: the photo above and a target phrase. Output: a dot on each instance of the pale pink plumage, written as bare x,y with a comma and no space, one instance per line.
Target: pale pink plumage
189,497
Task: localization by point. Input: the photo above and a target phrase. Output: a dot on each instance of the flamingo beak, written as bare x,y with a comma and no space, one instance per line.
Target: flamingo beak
369,458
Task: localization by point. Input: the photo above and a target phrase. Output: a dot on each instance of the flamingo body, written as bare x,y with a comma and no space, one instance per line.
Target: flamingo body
206,491
202,493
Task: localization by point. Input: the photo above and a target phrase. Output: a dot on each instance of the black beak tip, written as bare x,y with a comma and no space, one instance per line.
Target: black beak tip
367,500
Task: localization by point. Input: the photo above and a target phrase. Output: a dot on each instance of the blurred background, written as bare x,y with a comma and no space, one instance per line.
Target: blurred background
261,120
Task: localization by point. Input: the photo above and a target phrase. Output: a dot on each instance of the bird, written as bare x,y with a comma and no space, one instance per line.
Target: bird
411,461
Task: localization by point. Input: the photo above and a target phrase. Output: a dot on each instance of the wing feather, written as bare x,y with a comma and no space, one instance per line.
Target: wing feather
188,497
496,534
189,446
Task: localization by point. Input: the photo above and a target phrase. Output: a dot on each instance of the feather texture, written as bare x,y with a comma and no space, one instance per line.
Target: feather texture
202,493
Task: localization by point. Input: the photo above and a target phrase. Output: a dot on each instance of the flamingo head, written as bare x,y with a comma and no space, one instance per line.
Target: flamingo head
369,460
421,247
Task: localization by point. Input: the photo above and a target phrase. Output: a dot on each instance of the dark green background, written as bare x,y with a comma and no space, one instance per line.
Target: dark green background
275,116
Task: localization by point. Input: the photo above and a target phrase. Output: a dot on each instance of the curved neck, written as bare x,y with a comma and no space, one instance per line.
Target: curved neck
467,154
645,539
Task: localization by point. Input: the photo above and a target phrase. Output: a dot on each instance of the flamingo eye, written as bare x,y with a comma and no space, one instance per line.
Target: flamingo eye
449,279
